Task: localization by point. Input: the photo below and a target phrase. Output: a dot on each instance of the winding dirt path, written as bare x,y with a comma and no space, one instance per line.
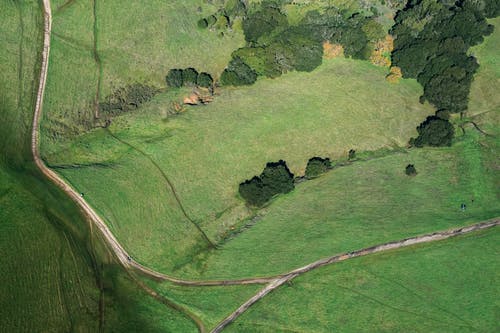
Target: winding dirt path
128,263
87,210
436,236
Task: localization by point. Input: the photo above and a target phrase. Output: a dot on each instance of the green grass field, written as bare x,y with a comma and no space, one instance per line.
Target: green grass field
360,205
54,272
138,42
484,105
446,286
229,141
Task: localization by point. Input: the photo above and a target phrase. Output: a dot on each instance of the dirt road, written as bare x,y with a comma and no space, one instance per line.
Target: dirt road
273,282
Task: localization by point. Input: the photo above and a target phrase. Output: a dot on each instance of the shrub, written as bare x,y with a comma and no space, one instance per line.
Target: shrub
434,131
276,178
174,78
263,22
202,23
410,170
204,80
352,154
316,166
189,76
127,98
238,73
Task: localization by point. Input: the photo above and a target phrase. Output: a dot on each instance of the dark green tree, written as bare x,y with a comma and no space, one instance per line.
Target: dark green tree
434,131
238,73
276,178
204,80
316,166
410,170
189,76
174,78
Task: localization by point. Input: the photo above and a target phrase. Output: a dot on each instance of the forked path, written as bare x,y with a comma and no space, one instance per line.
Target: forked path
273,282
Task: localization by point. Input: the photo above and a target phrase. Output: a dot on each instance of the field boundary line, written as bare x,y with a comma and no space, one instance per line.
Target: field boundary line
279,281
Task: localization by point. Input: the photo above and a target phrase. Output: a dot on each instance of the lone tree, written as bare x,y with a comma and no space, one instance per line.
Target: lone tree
434,131
352,154
316,166
174,78
410,170
276,178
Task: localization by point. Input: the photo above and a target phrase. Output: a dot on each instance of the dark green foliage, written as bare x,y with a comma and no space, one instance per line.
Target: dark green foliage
275,47
179,77
202,23
352,154
491,8
434,131
263,22
316,166
431,45
127,98
189,76
204,80
174,78
410,170
254,192
238,73
275,179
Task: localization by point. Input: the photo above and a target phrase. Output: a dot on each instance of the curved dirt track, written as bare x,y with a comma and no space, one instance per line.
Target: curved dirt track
115,246
123,257
436,236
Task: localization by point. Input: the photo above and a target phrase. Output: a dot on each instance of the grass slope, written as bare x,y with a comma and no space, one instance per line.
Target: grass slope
54,273
363,204
484,104
104,45
447,286
231,139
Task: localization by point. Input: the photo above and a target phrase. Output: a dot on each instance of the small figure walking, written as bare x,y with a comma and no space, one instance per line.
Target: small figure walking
463,207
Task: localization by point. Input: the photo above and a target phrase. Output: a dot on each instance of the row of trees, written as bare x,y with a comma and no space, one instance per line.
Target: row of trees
188,77
276,178
274,47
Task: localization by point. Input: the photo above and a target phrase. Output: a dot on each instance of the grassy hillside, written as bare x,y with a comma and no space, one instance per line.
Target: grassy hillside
228,141
99,46
484,104
447,286
56,276
363,204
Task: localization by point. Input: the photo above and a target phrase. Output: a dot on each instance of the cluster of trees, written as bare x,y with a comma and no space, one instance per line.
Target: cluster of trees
127,98
432,42
275,47
275,179
180,77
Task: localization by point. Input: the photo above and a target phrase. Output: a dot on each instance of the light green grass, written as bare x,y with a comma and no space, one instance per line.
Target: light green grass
446,286
136,42
484,104
53,270
208,151
364,204
211,304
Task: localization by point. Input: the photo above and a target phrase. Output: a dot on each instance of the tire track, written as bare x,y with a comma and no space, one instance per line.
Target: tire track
98,62
169,184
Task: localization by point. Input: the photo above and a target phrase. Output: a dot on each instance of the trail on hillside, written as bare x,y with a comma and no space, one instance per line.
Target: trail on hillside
436,236
169,184
128,263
